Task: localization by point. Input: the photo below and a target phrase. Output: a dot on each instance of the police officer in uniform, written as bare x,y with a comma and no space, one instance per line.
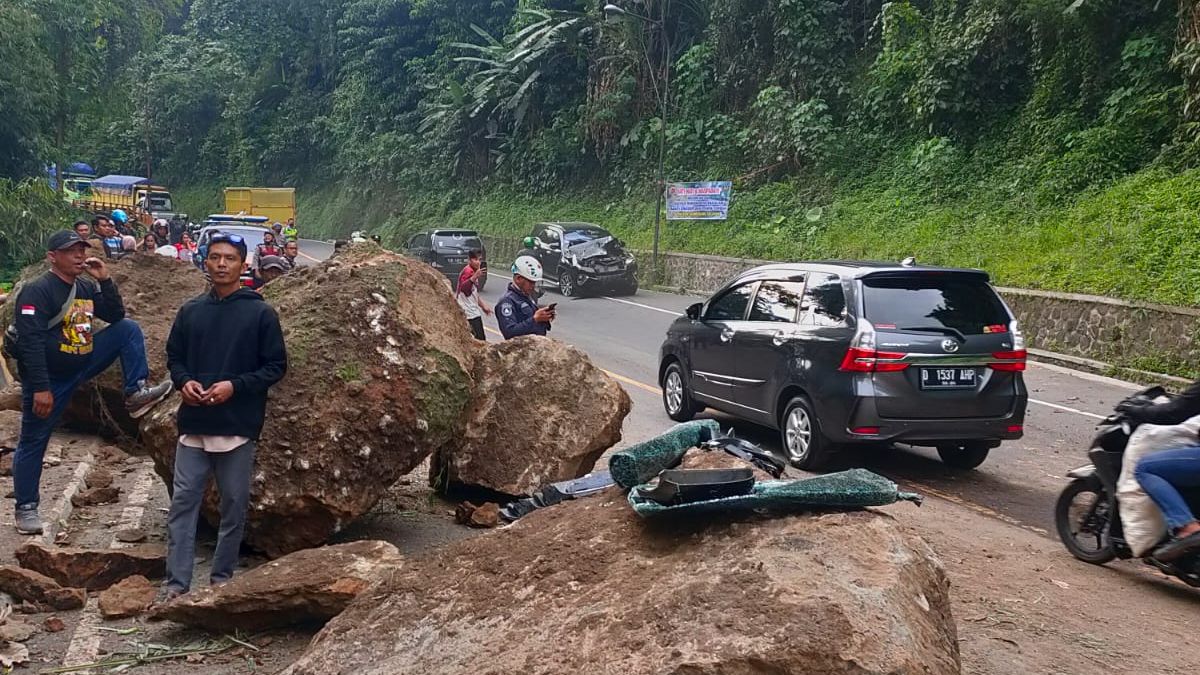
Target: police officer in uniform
517,312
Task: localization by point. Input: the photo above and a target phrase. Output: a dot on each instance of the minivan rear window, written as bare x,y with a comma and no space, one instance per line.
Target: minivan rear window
969,306
466,242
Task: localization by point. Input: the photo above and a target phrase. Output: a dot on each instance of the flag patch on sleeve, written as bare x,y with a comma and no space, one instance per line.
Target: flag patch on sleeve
28,310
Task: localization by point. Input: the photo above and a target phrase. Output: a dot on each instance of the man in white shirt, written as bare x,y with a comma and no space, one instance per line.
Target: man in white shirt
225,351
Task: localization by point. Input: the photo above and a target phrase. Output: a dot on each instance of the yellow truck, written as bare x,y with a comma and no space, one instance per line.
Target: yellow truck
143,201
277,204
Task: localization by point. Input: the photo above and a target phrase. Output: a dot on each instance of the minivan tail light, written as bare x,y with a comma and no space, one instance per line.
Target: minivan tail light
862,357
859,360
1010,362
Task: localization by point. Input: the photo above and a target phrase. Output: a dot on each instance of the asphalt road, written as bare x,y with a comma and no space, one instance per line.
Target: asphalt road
1018,484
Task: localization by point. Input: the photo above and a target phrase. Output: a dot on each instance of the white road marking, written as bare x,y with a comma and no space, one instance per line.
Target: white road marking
638,304
62,507
85,641
1064,408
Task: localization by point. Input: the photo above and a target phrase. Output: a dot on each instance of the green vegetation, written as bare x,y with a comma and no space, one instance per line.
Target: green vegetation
1055,143
29,212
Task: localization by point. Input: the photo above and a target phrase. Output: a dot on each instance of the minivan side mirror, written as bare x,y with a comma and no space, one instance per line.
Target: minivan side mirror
693,311
527,242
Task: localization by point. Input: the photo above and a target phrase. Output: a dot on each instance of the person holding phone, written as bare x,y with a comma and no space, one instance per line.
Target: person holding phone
56,350
225,351
467,293
517,312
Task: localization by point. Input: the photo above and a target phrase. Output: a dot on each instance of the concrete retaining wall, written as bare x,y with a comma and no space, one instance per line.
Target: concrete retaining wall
1128,334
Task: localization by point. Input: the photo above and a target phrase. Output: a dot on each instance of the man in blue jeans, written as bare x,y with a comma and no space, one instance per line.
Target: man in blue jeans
225,351
56,351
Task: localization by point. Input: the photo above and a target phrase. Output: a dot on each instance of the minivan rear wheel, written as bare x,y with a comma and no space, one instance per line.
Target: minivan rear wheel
677,399
800,432
964,456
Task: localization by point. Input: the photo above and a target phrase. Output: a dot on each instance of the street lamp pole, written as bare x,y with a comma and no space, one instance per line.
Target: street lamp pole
664,99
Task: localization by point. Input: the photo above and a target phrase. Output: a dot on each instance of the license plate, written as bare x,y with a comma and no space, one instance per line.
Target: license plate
456,261
948,378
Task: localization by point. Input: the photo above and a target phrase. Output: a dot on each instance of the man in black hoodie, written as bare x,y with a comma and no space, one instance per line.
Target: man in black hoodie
225,350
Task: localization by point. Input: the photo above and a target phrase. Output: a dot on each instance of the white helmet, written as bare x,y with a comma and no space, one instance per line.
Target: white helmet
527,266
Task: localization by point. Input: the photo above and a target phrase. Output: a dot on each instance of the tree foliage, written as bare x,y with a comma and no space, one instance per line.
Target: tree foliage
546,94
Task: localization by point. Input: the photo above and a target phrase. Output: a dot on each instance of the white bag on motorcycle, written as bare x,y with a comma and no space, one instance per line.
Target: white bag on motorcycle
1141,518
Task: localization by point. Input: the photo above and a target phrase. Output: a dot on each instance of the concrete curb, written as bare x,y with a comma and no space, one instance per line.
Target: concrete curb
1108,369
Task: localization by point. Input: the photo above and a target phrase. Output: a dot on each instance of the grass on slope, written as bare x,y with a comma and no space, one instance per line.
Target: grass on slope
1139,238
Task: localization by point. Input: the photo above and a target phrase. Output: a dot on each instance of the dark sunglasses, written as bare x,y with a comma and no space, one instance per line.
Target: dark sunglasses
227,238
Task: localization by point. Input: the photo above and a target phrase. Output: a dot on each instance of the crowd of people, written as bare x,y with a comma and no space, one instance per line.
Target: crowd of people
116,237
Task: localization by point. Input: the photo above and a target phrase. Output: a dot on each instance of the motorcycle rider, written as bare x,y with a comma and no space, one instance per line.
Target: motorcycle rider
517,312
1162,474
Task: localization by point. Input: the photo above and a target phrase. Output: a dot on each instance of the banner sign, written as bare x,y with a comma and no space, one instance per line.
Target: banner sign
699,201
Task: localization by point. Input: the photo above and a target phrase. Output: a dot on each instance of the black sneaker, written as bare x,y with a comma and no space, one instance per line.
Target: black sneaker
1178,548
28,520
141,401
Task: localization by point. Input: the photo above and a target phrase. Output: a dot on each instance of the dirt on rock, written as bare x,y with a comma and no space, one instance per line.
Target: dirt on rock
587,582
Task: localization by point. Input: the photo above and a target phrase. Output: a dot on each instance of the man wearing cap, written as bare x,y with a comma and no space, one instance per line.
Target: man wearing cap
56,350
270,268
225,351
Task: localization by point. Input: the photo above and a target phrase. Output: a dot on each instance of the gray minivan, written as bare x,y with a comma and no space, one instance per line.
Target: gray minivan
834,353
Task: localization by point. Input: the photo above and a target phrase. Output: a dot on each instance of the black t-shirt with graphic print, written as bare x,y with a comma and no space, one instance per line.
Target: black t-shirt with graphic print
66,348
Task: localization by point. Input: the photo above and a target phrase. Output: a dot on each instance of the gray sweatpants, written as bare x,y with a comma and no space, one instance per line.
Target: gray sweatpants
233,471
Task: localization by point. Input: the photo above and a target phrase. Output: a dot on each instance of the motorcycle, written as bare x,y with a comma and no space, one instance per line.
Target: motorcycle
1087,514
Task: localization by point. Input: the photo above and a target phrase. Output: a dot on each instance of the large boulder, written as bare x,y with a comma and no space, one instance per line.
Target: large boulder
311,585
153,287
379,376
587,586
542,413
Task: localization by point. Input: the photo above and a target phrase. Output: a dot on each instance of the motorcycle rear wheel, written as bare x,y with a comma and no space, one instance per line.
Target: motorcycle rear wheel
1086,523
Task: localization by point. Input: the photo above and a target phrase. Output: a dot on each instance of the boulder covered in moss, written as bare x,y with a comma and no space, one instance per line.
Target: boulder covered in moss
379,376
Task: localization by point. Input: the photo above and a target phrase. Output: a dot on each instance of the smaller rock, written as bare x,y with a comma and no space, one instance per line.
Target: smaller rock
13,654
54,625
129,597
6,461
487,515
10,398
15,630
96,496
309,585
99,477
133,460
93,569
39,589
10,427
130,535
